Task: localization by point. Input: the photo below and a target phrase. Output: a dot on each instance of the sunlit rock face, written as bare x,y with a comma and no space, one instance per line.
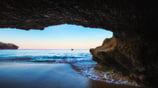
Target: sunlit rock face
120,57
133,23
129,57
8,46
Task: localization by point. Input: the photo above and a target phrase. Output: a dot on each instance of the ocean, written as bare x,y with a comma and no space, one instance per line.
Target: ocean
45,55
79,59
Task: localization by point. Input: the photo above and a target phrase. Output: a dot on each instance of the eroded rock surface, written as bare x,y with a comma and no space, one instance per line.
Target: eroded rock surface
8,46
126,57
132,22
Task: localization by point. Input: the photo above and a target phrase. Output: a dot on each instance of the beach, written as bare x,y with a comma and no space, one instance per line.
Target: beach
44,75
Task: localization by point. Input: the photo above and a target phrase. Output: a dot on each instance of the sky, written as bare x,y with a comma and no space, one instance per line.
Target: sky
64,36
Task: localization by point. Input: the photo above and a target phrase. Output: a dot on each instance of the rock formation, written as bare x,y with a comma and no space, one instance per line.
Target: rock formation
133,23
109,54
8,46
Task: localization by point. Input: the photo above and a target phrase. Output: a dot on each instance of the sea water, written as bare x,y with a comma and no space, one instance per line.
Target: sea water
45,55
80,59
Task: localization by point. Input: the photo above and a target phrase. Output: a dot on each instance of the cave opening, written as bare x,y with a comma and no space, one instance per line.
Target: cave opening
63,36
61,44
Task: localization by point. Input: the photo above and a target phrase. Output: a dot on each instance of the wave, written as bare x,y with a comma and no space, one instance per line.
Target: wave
46,59
53,56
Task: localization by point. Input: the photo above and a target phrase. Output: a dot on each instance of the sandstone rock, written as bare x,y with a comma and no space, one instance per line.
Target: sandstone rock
119,57
8,46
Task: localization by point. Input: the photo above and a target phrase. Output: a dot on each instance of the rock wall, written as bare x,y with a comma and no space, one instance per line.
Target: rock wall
8,46
129,57
132,22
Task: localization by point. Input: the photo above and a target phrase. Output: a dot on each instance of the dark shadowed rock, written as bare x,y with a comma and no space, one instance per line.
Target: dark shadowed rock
132,22
8,46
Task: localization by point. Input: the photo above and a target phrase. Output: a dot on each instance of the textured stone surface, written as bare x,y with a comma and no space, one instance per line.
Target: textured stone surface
130,58
133,23
8,46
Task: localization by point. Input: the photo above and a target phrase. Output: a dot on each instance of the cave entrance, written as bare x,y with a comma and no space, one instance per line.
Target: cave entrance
64,36
53,45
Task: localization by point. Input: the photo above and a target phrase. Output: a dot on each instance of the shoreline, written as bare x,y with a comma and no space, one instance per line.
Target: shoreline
35,75
89,70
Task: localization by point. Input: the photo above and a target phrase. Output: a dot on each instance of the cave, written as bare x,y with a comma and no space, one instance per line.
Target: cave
133,24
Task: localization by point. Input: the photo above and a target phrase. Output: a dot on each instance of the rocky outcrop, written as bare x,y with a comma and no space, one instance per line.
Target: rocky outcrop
8,46
132,22
128,58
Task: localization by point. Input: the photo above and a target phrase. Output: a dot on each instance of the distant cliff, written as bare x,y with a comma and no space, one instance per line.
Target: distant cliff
8,46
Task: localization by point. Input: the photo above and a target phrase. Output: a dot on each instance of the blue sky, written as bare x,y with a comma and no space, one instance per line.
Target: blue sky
62,36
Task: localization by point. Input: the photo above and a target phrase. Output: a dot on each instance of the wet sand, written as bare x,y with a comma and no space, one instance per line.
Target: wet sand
32,75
